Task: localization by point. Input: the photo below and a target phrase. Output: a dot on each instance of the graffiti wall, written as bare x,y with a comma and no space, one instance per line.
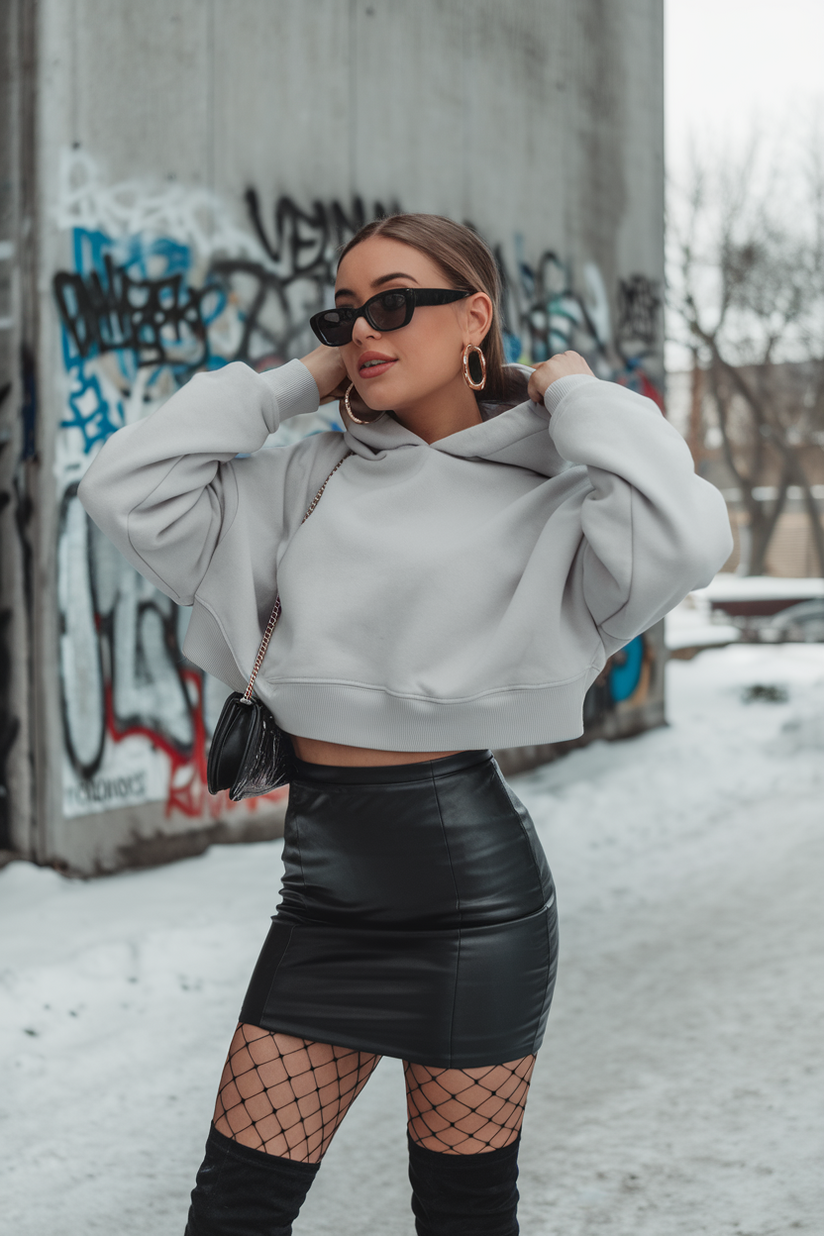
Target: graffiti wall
159,284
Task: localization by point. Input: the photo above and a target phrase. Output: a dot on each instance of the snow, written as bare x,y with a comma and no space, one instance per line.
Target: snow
691,625
728,587
679,1088
694,624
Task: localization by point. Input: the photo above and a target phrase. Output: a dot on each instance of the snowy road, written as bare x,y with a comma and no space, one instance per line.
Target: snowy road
679,1090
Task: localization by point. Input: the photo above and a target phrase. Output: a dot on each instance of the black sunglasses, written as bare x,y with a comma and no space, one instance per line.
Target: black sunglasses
388,310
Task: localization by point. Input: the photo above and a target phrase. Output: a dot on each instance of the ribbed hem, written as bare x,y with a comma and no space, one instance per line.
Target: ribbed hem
363,716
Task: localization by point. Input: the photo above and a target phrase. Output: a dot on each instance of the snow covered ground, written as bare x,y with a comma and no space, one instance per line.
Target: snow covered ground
679,1090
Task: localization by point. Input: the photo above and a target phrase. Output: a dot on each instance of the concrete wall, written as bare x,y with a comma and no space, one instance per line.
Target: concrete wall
19,470
196,162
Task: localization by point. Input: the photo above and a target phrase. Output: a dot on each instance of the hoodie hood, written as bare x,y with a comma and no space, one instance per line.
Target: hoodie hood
514,431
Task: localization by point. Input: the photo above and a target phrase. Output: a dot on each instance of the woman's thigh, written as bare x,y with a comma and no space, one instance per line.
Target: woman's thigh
467,1111
286,1095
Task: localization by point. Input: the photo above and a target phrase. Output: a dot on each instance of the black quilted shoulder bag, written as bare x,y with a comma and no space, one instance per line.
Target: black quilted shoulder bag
249,752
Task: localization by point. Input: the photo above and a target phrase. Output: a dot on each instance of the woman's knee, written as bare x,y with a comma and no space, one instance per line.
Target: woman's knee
287,1095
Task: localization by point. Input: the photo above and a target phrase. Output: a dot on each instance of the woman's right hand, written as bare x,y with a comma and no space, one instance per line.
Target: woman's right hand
327,368
562,365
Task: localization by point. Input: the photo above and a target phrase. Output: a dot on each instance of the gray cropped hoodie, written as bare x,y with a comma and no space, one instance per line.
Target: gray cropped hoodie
449,595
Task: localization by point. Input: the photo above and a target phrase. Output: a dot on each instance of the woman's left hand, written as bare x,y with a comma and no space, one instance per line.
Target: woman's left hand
560,366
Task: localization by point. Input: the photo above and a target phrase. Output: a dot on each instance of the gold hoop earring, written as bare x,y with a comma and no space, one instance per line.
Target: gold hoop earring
470,381
357,419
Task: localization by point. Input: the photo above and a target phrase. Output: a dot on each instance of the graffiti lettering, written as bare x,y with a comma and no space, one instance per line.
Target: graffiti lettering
144,316
638,310
122,673
304,241
543,314
109,789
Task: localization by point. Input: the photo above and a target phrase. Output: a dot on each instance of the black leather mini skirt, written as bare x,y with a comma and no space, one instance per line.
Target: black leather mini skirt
417,916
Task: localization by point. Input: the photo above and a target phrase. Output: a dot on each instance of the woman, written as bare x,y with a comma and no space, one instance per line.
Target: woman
473,562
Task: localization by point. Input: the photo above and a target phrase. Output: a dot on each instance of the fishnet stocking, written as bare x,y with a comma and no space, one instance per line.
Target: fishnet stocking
467,1111
287,1096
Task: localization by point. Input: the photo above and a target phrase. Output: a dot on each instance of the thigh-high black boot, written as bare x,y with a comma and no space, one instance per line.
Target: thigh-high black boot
464,1194
244,1192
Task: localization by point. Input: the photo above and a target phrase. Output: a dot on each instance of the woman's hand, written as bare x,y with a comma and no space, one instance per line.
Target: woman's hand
560,366
327,368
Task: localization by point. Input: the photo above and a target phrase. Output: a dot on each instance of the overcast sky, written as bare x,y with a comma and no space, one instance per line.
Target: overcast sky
729,61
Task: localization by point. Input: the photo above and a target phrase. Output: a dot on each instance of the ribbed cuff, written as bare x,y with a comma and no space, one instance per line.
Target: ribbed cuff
561,387
294,388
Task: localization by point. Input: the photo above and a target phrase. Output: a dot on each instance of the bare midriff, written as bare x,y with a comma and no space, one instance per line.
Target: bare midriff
312,751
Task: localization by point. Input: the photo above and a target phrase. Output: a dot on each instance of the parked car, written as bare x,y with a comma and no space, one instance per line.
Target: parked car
802,624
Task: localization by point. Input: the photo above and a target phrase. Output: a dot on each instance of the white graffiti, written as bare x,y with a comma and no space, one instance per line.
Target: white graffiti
193,216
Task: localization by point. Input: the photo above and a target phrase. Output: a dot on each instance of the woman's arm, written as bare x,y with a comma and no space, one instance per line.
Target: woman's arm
653,530
159,489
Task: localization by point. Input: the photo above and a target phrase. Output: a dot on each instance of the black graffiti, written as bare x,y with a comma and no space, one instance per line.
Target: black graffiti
542,310
277,299
149,317
304,241
638,310
18,502
164,320
541,313
132,680
28,410
272,330
168,321
109,789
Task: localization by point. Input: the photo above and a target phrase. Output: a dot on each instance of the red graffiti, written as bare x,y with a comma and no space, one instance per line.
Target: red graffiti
636,380
188,794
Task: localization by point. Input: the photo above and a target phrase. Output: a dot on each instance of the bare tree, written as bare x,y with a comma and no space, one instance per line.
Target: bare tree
747,296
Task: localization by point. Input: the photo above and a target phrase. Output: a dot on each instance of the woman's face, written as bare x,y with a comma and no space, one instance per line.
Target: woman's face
421,358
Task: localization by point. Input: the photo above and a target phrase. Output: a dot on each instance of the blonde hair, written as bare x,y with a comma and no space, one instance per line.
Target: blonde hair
466,261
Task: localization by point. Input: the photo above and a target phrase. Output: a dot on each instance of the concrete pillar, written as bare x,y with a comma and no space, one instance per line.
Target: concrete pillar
194,165
20,474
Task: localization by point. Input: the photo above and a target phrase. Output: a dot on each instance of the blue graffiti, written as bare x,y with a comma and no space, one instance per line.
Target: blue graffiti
91,412
129,297
544,314
625,670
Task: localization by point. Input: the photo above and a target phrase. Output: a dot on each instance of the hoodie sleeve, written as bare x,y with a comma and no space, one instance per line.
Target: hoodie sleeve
653,530
163,489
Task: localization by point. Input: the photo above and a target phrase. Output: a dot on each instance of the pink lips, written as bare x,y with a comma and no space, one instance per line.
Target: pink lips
374,371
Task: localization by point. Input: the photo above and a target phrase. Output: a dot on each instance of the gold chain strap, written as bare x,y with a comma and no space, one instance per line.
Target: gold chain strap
273,618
